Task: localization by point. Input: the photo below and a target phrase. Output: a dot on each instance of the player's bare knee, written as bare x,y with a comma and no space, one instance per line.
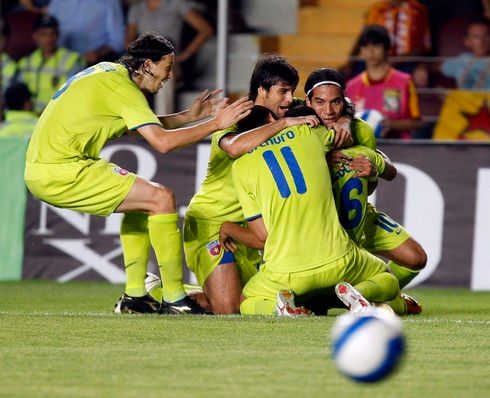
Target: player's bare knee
421,260
414,256
227,308
225,305
417,258
163,200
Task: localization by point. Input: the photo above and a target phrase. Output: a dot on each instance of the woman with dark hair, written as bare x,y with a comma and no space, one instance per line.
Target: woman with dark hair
63,166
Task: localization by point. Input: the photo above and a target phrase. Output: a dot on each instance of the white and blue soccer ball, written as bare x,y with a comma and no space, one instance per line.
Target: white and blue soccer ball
369,346
374,118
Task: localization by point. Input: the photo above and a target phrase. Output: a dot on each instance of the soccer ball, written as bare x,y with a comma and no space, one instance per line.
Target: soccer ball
374,118
367,347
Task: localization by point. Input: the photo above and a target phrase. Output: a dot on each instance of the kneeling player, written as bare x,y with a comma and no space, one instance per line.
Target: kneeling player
285,192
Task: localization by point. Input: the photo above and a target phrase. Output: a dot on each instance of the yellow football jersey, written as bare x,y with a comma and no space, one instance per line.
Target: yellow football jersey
286,181
98,104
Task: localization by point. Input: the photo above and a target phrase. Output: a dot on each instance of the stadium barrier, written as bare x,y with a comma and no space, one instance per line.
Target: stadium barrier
440,196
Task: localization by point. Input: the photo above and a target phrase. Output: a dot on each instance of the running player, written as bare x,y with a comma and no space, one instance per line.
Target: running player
384,236
285,191
63,167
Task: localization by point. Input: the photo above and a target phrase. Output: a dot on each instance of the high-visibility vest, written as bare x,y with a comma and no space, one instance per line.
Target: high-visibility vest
44,76
8,68
18,124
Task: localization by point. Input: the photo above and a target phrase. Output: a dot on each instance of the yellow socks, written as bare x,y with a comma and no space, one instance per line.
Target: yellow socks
166,241
257,306
403,274
380,287
135,242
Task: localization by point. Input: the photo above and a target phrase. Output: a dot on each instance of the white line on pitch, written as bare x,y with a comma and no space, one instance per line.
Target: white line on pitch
111,315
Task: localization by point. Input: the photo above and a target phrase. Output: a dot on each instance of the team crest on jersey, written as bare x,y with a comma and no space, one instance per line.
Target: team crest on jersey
121,171
214,248
391,100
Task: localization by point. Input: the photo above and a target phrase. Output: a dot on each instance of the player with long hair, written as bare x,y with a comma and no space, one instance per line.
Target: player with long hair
63,167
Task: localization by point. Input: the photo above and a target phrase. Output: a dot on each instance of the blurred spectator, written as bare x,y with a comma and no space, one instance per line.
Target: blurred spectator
441,11
49,66
383,88
471,70
19,118
20,22
167,17
93,28
407,22
36,6
7,65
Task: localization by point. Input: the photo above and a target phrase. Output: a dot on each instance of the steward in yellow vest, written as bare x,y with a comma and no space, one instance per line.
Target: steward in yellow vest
19,118
48,67
7,64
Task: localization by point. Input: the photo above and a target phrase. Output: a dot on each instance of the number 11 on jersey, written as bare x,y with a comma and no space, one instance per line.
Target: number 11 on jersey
278,174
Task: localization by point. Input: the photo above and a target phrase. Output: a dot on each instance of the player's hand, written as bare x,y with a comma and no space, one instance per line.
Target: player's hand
227,115
337,156
343,136
363,167
204,105
225,240
311,120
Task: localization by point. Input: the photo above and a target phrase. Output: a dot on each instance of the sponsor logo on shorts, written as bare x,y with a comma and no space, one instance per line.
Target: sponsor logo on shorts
119,170
214,248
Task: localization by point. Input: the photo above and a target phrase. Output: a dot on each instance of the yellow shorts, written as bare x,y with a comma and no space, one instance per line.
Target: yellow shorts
203,253
356,266
382,232
89,186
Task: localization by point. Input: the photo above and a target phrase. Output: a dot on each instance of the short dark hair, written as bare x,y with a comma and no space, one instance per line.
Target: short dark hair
258,116
375,34
148,45
45,22
16,95
332,75
269,71
301,110
478,20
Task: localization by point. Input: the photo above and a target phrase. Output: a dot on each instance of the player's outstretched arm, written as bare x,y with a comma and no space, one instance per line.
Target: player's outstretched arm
203,106
164,140
236,145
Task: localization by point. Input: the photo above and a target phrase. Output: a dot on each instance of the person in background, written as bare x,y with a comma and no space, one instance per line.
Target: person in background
20,120
407,22
471,70
36,6
93,28
7,64
408,25
49,66
384,88
167,17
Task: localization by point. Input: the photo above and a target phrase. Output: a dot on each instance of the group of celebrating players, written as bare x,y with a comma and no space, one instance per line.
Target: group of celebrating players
281,224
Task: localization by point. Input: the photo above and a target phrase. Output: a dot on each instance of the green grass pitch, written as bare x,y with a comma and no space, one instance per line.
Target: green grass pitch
62,340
